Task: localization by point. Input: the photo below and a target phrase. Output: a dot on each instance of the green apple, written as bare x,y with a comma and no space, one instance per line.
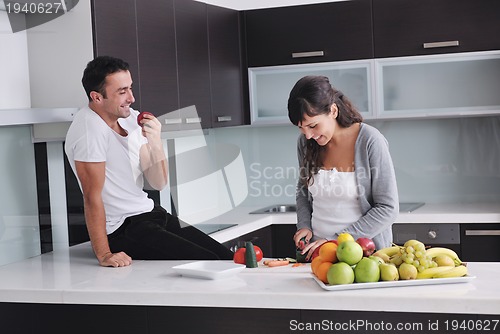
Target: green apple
367,270
340,273
349,252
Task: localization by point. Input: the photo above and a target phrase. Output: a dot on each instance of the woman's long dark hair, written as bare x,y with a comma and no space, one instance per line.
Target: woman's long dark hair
313,96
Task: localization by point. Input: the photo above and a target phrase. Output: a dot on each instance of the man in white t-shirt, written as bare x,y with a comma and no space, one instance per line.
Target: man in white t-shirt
110,153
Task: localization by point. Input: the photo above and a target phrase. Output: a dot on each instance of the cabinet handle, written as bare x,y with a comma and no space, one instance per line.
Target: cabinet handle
224,119
191,120
173,120
482,232
441,44
308,54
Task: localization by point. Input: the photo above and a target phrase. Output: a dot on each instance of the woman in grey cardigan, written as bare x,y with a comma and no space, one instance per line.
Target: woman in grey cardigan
347,181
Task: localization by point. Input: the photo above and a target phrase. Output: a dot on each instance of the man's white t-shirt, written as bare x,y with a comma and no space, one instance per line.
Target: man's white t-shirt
90,139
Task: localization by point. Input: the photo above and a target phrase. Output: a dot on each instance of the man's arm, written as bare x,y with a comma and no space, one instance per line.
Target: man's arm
92,176
152,154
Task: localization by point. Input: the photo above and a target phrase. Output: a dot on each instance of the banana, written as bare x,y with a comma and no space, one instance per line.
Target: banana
396,259
435,251
412,242
457,271
389,251
386,258
430,272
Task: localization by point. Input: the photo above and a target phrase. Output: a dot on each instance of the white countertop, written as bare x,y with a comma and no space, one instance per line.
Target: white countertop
72,276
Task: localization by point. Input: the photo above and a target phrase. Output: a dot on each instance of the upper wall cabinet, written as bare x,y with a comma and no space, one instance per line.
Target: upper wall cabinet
438,85
181,54
271,86
225,67
309,33
412,28
193,64
115,34
158,65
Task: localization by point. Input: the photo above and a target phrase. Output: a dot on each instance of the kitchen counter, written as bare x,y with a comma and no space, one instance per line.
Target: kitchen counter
72,276
461,213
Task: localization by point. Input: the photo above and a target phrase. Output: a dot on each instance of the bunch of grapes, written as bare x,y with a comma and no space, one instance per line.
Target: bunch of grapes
415,255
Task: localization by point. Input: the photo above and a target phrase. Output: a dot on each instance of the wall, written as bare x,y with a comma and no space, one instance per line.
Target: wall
42,67
58,52
14,80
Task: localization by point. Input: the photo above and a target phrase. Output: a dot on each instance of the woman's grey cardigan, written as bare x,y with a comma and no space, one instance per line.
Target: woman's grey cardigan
377,189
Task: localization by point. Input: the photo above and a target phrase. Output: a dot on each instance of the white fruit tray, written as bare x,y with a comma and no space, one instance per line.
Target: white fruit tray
209,269
392,284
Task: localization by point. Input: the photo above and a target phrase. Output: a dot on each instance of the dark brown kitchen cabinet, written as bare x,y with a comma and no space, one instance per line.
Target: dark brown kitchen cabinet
261,237
225,67
309,33
181,53
283,244
480,242
193,64
115,34
275,240
157,56
422,27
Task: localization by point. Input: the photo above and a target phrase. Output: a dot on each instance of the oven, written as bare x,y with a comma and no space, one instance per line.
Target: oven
432,235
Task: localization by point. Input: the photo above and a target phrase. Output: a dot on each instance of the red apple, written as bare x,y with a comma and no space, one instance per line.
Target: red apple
367,244
141,116
315,253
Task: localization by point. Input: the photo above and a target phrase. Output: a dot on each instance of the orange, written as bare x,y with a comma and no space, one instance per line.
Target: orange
328,252
322,271
315,263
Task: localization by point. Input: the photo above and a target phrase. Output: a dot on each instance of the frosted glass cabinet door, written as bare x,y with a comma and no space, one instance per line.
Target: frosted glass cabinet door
270,87
452,85
19,224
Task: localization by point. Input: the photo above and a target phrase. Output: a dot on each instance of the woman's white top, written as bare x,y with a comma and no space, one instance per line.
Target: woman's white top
335,202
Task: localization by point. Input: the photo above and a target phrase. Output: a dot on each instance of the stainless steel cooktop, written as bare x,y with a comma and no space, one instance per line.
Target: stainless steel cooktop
409,207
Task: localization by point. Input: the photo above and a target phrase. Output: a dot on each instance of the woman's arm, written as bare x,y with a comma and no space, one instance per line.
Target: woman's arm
377,187
302,198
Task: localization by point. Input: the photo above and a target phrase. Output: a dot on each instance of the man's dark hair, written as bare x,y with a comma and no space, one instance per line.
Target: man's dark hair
94,75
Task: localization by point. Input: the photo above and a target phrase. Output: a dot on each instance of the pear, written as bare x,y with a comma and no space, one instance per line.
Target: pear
444,260
407,271
388,272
